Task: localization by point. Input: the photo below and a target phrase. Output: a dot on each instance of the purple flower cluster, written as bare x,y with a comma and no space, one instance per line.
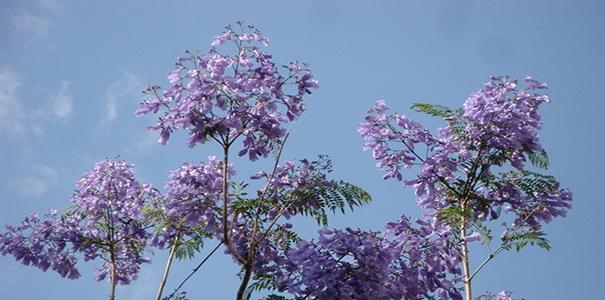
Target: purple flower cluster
105,222
504,118
108,213
533,205
42,243
472,169
224,96
407,261
463,168
496,128
382,129
191,201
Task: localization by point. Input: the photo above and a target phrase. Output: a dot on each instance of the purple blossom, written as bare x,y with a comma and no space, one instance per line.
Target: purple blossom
223,97
497,129
42,243
381,129
108,208
105,223
407,261
190,203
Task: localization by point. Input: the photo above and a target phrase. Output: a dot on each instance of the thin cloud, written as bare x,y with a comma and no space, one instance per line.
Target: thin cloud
31,25
35,20
48,172
29,186
142,144
37,183
124,89
61,104
145,286
58,108
52,5
14,123
12,120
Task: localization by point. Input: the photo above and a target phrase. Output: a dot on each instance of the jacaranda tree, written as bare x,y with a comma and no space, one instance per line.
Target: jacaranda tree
470,173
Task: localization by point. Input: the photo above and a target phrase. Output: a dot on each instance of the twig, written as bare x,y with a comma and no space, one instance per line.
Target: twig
254,241
171,255
194,271
501,247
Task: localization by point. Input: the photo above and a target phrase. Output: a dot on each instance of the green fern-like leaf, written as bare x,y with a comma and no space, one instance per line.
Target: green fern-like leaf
433,110
337,197
529,182
519,240
539,159
275,297
532,182
484,232
261,282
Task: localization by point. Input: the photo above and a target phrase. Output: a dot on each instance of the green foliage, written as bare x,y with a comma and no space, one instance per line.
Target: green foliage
276,297
187,249
539,159
484,231
518,240
434,110
531,182
452,116
180,296
261,282
154,214
452,215
284,238
238,190
247,207
337,197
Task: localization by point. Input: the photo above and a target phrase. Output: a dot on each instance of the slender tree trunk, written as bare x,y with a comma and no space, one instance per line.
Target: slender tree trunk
245,280
225,194
246,263
464,256
168,266
113,279
225,220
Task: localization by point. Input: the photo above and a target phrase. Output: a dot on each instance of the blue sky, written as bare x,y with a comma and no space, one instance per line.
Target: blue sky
71,73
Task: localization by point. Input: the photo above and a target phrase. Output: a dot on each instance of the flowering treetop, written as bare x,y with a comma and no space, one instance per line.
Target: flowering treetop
223,96
473,170
478,156
105,222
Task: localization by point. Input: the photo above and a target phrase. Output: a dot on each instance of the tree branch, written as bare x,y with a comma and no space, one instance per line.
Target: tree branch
194,271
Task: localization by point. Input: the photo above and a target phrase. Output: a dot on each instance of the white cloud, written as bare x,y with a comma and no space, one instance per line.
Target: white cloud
30,25
61,105
37,183
126,88
11,112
